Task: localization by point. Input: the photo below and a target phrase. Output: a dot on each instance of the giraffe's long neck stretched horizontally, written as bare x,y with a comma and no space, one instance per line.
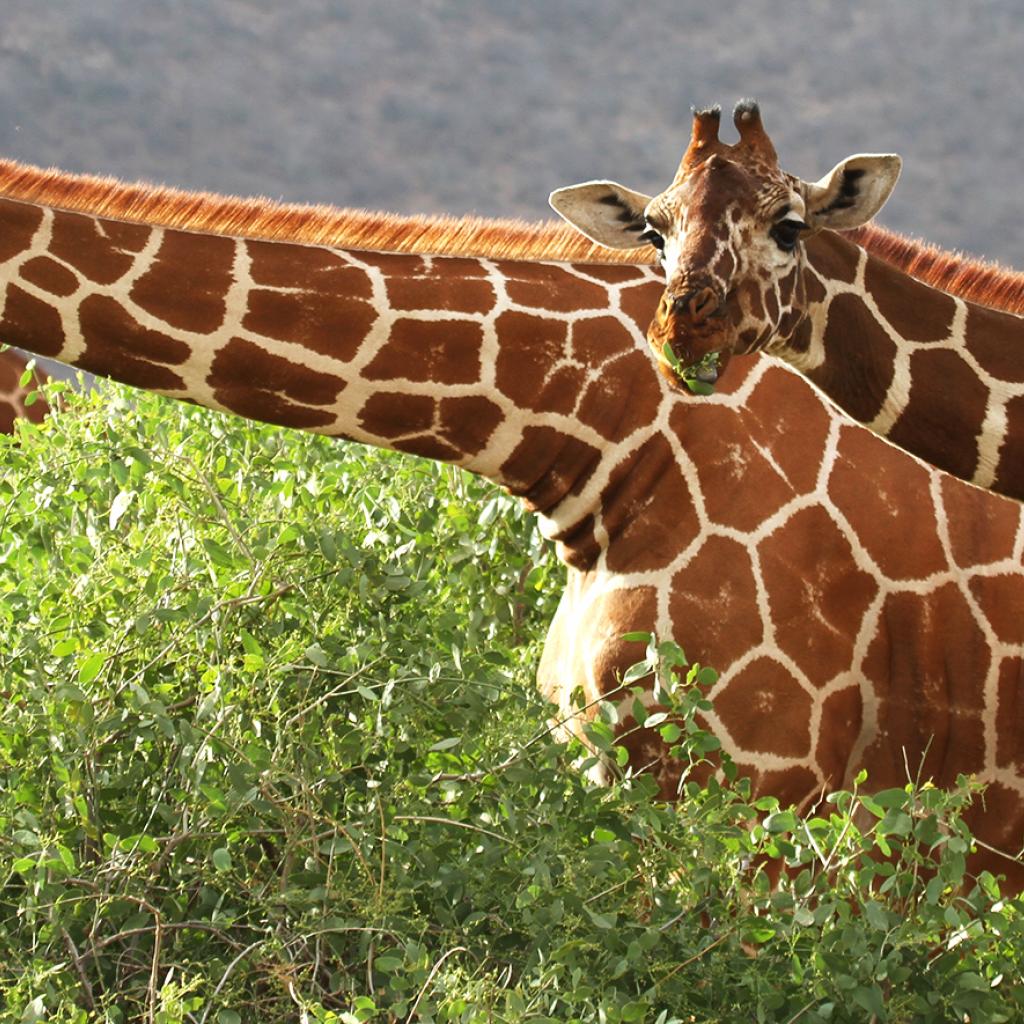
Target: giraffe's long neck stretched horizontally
520,371
865,611
935,373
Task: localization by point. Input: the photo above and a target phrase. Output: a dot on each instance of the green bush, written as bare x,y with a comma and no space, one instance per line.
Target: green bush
271,750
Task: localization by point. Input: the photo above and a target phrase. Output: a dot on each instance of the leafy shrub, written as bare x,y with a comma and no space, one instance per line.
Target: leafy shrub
271,750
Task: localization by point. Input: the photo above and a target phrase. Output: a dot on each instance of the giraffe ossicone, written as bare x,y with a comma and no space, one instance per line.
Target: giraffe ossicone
853,626
923,347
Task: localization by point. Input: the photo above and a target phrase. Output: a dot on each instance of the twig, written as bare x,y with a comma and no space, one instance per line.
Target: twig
79,969
430,978
383,850
224,977
457,824
696,956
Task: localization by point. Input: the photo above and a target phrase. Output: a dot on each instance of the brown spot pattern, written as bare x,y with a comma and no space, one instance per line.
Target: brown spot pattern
915,311
1010,715
101,251
532,347
552,288
609,272
648,512
596,339
21,221
747,488
899,533
199,267
858,384
306,268
1010,470
766,710
641,303
390,414
815,608
944,413
241,363
718,620
787,437
1002,600
440,292
441,351
993,338
31,324
331,324
832,259
623,399
547,465
50,275
927,688
976,535
842,716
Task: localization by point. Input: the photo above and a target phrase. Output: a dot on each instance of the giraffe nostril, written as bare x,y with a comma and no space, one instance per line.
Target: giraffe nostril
704,303
696,305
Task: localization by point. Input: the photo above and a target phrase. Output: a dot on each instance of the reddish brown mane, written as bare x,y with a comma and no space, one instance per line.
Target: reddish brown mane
313,225
975,280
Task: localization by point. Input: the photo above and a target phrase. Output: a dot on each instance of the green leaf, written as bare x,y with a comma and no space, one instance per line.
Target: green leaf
870,998
90,668
219,554
638,636
119,506
602,921
221,859
446,744
670,732
780,821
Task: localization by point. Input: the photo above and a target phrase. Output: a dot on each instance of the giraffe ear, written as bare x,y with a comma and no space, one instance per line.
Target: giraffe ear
853,191
607,213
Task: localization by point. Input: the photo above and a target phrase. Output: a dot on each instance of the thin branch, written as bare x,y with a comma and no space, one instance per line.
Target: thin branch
430,978
457,824
224,977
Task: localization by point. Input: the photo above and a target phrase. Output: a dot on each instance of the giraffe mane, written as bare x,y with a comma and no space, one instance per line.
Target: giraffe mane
975,280
312,225
340,227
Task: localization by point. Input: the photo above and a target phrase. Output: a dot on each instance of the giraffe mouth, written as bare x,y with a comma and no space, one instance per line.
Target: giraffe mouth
696,375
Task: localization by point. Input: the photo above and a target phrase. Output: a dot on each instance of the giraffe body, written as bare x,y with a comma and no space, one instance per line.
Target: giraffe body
758,260
864,610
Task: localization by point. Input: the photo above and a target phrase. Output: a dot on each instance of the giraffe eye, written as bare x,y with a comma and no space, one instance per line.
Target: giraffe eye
653,238
787,233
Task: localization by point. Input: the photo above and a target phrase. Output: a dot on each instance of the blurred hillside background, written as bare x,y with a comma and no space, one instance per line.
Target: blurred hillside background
486,105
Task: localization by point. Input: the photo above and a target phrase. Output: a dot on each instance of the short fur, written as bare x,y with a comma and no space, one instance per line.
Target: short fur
312,225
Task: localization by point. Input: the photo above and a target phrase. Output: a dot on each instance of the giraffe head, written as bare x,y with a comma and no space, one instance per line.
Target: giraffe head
730,234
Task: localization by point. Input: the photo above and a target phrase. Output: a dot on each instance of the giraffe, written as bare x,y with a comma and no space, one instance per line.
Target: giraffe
13,394
923,347
853,626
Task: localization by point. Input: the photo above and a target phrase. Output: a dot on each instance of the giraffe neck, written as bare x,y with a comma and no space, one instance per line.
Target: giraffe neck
937,375
524,372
